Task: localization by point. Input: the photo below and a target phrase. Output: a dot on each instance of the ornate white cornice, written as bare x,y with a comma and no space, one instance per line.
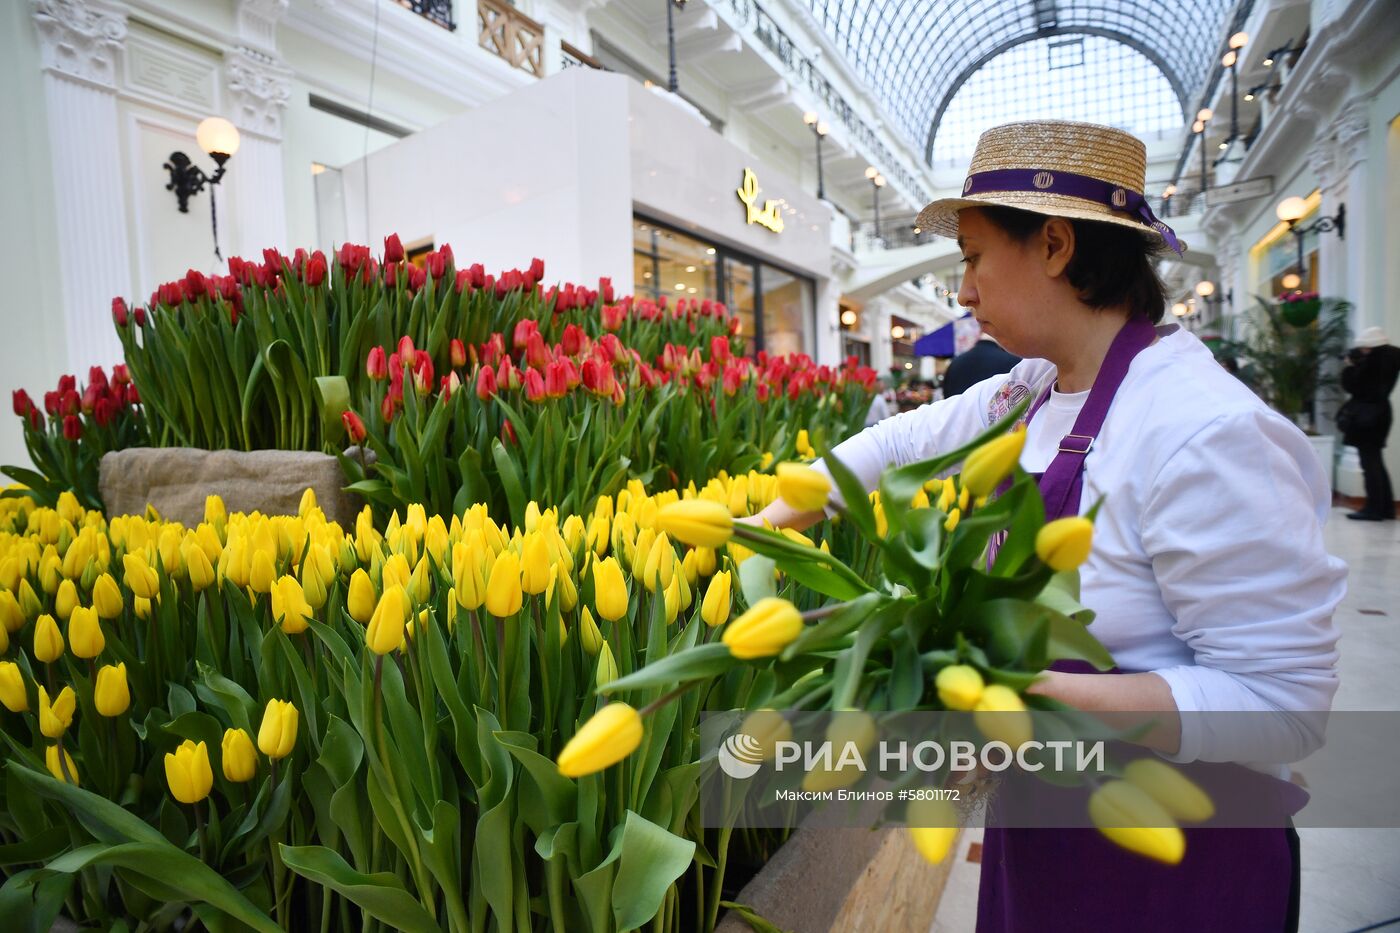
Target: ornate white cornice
1351,128
81,38
257,87
257,21
1322,159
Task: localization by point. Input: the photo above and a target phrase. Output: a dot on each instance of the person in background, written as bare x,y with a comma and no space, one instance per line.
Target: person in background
985,359
1369,375
880,405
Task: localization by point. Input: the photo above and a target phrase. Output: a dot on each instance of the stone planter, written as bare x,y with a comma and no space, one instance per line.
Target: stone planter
845,879
176,480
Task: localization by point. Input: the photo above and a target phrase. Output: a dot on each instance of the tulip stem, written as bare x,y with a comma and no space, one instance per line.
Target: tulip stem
665,698
812,615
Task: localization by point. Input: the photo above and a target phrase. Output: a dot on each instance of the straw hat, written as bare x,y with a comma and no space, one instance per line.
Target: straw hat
1061,169
1372,337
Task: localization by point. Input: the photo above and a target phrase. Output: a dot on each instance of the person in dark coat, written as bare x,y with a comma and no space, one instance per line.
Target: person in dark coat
1369,375
984,360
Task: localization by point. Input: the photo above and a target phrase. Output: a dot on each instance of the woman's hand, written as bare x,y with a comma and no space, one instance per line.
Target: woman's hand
1123,701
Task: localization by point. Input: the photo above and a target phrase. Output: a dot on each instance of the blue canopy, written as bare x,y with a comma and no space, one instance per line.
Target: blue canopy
941,342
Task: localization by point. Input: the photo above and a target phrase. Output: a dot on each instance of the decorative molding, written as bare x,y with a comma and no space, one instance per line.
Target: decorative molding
1322,159
257,21
258,89
1351,128
81,38
158,70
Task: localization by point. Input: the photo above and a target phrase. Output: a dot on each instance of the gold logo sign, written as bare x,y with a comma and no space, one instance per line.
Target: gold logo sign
770,215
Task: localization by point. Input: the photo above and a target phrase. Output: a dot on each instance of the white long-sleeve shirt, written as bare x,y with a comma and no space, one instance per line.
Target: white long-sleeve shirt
1208,566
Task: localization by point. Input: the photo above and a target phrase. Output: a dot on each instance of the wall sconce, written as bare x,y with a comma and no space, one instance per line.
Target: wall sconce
849,318
1179,309
1291,210
217,137
897,332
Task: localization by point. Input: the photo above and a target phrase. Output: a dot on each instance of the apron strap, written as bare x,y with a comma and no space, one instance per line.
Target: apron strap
1061,485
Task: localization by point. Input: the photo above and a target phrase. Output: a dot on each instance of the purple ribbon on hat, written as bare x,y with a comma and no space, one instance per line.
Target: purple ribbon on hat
1116,197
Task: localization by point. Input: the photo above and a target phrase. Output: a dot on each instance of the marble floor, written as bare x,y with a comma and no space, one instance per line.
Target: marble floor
1351,877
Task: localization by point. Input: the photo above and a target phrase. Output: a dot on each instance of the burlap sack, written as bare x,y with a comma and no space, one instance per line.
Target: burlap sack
176,481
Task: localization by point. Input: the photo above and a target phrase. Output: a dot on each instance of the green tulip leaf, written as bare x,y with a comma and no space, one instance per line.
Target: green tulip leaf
697,663
381,895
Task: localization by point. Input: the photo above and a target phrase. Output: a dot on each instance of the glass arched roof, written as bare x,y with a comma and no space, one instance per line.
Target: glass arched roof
1089,78
917,54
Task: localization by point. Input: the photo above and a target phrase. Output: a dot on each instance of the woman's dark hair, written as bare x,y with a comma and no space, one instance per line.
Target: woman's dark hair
1111,266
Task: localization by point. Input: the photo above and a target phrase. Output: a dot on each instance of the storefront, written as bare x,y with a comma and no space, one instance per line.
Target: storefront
775,305
599,176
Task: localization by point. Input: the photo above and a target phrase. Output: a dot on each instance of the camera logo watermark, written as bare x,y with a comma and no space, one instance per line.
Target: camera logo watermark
740,756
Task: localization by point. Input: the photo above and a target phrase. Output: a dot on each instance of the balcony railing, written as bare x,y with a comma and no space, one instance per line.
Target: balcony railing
512,35
437,11
570,57
772,36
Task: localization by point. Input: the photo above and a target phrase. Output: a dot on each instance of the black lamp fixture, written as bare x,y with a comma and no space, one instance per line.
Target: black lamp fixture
877,181
819,129
1208,294
1279,52
1203,117
219,138
673,83
1167,193
1291,210
1258,89
1230,61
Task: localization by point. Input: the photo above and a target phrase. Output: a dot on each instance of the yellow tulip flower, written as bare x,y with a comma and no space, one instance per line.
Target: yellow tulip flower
588,632
278,733
714,609
215,513
988,465
933,825
503,592
534,565
188,773
85,638
767,727
48,641
959,686
611,735
240,759
697,522
1001,715
12,690
56,717
29,602
198,568
768,627
386,626
289,605
10,613
1129,817
262,574
660,565
1064,544
803,488
361,600
140,578
65,771
112,693
609,590
1178,794
65,600
952,520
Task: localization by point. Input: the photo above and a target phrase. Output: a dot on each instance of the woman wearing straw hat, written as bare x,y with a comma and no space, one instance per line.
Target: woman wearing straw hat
1209,577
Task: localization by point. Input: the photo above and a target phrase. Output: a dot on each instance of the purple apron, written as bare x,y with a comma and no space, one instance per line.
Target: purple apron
1051,880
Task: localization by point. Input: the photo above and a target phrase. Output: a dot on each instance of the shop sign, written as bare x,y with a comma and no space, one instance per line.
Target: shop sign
770,215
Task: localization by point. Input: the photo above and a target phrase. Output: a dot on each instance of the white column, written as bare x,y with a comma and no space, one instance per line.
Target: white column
257,88
1331,257
826,347
81,43
1351,129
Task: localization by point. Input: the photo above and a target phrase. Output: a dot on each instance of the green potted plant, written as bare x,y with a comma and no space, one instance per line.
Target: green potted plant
1281,351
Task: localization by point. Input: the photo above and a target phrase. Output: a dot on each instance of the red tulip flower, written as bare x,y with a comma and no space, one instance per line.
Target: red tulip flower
458,352
119,311
393,249
377,365
72,427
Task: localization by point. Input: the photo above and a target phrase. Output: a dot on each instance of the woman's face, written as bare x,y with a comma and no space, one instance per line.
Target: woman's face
1004,283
